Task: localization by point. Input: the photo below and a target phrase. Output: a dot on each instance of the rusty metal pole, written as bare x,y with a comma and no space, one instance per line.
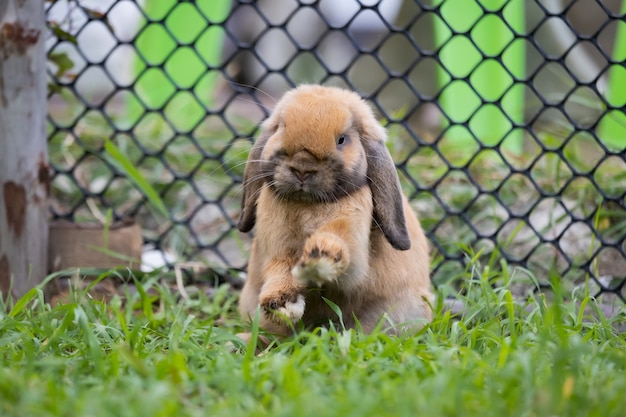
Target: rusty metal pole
24,170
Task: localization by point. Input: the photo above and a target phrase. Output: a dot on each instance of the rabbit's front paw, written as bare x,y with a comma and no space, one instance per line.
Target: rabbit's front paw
323,260
283,307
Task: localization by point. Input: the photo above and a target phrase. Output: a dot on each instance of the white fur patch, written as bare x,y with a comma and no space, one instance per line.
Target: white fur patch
318,272
293,311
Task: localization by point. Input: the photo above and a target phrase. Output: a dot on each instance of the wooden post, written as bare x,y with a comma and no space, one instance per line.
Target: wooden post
24,170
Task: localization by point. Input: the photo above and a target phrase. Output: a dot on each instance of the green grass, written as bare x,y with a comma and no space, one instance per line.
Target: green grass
155,353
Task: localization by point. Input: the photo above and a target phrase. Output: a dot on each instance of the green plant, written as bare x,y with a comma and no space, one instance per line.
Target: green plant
154,352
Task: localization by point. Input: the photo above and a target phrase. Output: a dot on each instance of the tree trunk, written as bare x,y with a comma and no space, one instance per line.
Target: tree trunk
24,170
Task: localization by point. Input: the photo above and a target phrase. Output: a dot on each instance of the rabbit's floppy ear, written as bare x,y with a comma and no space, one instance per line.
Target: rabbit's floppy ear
386,193
253,180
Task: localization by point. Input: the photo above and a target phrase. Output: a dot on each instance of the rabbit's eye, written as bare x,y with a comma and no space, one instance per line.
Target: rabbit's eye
341,140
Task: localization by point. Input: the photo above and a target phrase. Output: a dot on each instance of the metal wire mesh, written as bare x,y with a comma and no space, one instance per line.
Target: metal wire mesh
504,119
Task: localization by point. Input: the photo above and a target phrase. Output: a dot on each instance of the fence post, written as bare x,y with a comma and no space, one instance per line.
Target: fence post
488,64
24,172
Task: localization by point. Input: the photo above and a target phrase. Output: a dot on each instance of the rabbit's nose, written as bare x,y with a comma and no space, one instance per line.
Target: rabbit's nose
300,174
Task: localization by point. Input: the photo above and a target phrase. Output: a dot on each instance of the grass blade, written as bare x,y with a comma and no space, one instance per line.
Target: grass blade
117,158
251,347
21,304
336,310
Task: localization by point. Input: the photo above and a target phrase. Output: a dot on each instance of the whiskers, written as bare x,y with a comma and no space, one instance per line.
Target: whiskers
262,177
238,156
256,100
253,161
230,169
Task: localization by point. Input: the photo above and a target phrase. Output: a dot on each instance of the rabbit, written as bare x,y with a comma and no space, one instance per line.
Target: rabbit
331,220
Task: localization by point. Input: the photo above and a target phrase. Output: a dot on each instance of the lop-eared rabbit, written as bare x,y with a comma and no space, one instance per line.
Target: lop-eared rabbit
331,222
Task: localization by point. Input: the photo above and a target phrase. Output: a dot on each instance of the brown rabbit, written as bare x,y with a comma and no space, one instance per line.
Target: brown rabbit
331,220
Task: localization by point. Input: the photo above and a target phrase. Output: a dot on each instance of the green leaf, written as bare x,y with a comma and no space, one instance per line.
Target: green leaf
98,15
145,299
63,35
246,365
62,61
22,302
117,158
336,310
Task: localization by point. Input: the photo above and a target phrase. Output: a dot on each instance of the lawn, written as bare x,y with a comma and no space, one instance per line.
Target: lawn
153,352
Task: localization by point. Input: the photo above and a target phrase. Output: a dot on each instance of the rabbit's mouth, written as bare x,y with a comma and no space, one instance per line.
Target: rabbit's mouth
316,190
314,183
301,192
302,185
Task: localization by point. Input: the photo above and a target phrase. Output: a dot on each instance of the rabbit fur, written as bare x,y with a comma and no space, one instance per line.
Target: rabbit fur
331,221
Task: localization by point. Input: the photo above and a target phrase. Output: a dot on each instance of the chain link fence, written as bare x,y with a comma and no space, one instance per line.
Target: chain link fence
506,119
